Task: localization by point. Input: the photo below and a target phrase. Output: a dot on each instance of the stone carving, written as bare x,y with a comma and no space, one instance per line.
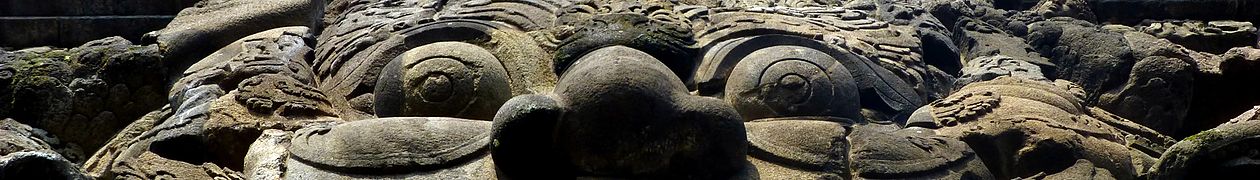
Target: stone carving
211,24
1078,9
654,89
85,93
791,81
1132,11
978,39
1010,120
1225,151
360,44
992,67
445,79
666,133
31,153
224,101
1209,36
424,148
36,165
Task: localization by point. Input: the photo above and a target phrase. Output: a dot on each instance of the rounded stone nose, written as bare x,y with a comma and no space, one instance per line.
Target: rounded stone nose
627,115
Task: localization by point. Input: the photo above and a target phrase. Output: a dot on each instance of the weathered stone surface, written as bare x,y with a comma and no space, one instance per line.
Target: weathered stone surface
210,24
784,81
403,147
38,165
83,94
1133,11
991,67
654,89
914,153
267,155
978,39
1206,36
877,72
665,133
1156,95
391,145
799,147
1218,91
443,79
152,166
1095,59
939,50
18,137
101,161
1078,9
1229,150
361,42
1012,123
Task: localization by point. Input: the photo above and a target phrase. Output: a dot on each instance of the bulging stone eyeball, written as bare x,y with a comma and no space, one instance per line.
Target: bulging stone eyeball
443,79
788,80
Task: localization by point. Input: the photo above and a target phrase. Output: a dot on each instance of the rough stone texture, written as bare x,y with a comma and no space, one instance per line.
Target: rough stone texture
890,88
978,39
1095,59
666,133
799,147
1218,91
413,148
1229,150
30,153
18,137
267,155
221,104
1206,36
443,79
791,81
38,165
360,42
1133,11
1157,94
914,153
653,89
991,67
82,94
1022,128
210,24
101,161
1078,9
151,166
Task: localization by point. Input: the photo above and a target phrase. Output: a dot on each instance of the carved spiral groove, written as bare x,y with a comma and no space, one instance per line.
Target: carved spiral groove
447,79
786,80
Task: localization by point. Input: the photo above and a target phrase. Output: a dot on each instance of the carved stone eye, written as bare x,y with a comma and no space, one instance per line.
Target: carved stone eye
789,80
443,79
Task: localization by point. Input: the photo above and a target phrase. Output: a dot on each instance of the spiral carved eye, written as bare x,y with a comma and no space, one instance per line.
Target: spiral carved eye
787,80
443,79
